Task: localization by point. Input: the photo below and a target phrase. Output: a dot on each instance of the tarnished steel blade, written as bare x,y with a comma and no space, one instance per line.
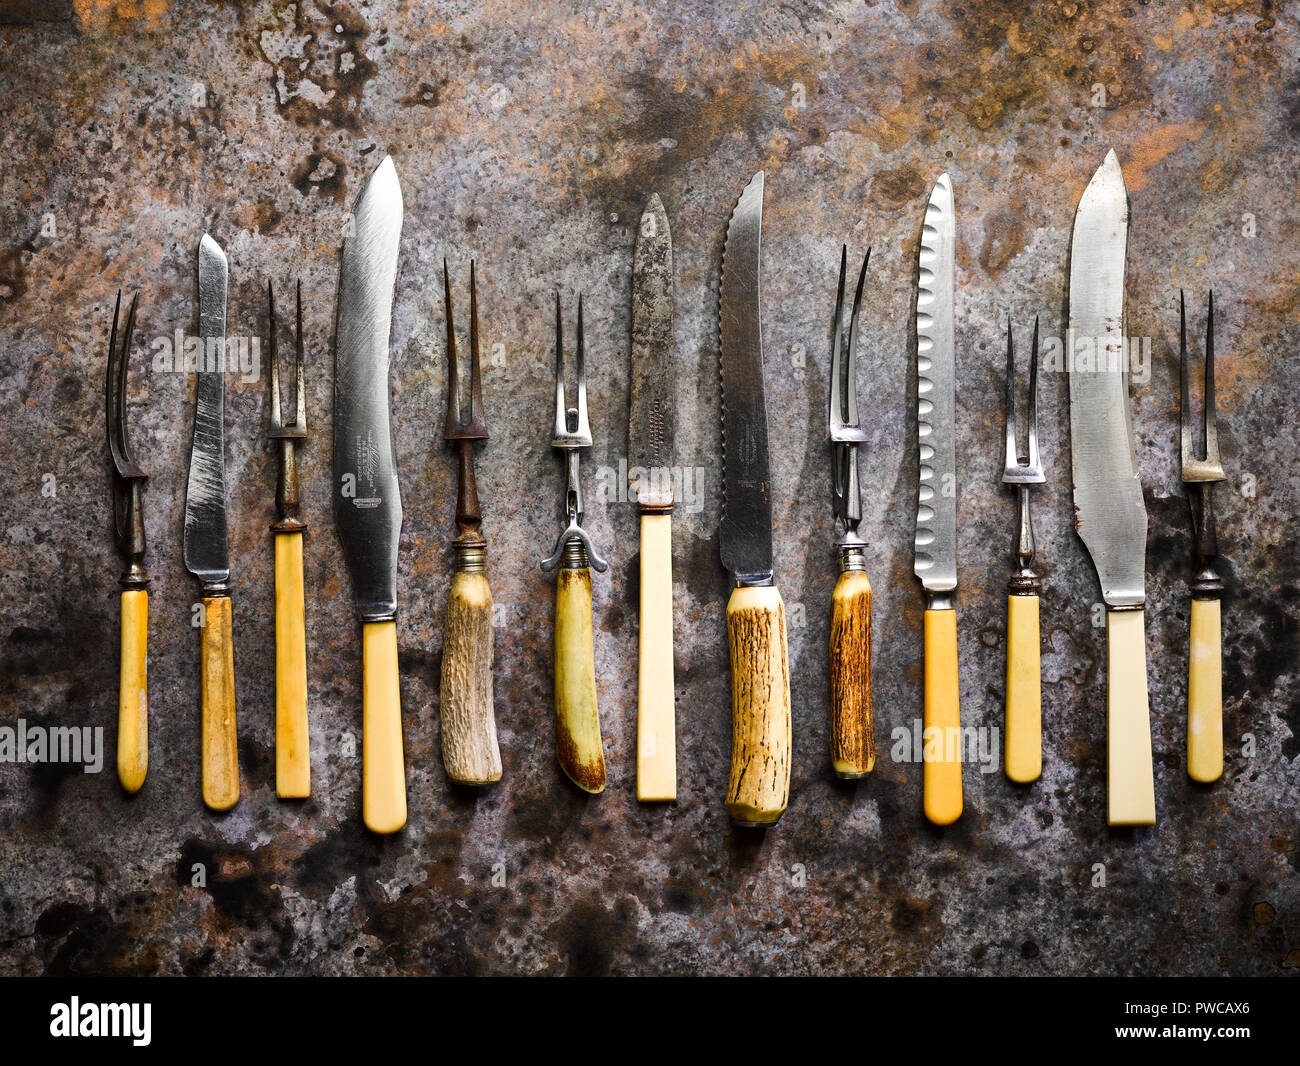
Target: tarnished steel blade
746,533
207,555
367,505
652,411
1108,509
935,558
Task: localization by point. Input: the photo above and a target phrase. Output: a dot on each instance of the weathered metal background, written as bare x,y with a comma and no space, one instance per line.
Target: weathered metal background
530,141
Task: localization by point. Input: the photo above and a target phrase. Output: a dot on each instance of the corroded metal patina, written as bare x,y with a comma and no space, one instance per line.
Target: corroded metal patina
531,140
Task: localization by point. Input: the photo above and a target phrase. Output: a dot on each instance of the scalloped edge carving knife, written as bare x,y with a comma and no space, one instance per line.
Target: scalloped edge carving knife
935,559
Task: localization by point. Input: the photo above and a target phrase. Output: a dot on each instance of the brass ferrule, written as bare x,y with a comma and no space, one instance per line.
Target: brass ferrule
470,558
575,555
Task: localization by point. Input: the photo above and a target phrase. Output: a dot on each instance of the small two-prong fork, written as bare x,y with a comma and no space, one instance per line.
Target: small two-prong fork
469,731
292,745
853,748
577,725
128,524
1024,728
1205,665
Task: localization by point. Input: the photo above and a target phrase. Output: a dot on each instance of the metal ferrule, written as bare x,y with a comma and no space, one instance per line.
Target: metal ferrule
852,557
1207,584
215,589
941,600
471,558
574,556
1025,581
286,490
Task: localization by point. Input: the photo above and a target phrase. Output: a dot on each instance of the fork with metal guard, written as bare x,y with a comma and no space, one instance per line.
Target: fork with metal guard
1024,724
577,726
853,748
1205,664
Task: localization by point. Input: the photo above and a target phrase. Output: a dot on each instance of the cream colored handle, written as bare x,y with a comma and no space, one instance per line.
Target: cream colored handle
1024,725
759,787
942,749
577,724
1205,694
133,691
469,727
1130,788
656,745
383,768
292,750
853,744
220,742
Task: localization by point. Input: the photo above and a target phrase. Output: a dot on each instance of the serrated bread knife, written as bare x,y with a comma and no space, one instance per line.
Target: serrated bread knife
1108,509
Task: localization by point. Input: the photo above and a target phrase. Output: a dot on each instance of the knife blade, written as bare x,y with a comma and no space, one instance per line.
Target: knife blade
759,786
651,422
935,549
204,544
1110,515
367,504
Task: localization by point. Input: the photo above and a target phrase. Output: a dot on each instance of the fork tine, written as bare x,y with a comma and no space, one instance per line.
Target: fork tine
475,379
561,415
1209,411
851,362
835,405
1184,398
273,346
453,422
299,392
1033,399
1012,451
583,423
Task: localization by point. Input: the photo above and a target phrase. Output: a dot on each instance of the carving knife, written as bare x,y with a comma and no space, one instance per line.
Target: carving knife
207,555
935,559
367,505
1108,509
651,419
759,785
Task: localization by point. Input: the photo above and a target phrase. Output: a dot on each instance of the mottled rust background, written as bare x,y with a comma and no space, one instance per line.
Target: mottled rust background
530,141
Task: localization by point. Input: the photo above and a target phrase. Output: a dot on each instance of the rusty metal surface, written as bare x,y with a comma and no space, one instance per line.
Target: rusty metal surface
531,141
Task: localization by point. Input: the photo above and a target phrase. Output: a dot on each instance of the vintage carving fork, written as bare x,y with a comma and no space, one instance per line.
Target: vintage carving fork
292,751
128,523
577,726
1205,665
853,747
469,730
1024,724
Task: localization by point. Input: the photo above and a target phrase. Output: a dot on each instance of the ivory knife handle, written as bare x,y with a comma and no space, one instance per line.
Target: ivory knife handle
853,745
133,691
383,770
469,728
759,787
292,750
1205,694
1130,787
1024,724
220,741
577,724
942,749
656,746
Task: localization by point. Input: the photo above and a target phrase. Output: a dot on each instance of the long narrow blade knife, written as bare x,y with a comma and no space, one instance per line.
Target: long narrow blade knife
207,555
1108,509
367,505
935,560
759,786
651,421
